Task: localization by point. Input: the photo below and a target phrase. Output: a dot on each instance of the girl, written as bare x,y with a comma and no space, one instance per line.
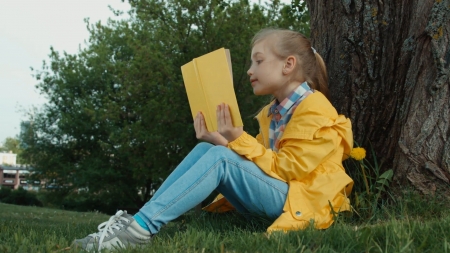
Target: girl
291,172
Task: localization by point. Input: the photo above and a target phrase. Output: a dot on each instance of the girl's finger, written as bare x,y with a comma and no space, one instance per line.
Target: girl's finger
219,116
227,115
202,122
196,124
196,120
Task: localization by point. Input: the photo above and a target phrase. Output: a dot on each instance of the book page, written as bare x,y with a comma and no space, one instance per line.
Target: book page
227,51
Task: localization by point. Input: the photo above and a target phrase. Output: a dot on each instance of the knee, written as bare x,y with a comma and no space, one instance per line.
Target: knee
204,146
220,150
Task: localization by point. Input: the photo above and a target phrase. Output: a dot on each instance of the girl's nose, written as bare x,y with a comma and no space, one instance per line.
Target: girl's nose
249,71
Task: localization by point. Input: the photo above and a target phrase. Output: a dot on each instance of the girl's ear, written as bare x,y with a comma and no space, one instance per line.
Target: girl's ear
289,65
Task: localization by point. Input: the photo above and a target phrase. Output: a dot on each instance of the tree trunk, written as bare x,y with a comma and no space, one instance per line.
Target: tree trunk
388,66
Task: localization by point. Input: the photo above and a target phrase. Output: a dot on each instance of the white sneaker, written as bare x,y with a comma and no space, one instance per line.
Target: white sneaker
120,231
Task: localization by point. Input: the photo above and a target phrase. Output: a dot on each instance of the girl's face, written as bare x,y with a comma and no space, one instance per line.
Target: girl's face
266,71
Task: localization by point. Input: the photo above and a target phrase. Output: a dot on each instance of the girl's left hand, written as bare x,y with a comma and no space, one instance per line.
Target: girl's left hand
225,124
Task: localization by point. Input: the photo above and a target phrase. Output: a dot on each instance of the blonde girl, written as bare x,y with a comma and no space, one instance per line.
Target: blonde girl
291,172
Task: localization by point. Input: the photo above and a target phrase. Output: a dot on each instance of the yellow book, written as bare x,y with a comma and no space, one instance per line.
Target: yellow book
209,82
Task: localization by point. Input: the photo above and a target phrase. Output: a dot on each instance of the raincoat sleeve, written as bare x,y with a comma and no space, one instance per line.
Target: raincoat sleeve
259,139
296,158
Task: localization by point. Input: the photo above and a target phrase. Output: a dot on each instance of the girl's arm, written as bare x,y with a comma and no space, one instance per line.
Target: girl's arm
294,160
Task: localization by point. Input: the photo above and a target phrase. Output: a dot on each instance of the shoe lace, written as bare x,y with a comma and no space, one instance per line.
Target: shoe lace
108,227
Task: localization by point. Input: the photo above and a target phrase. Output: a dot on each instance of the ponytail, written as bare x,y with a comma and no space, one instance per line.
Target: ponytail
319,79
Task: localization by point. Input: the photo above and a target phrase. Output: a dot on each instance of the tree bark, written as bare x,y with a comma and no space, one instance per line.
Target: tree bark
388,65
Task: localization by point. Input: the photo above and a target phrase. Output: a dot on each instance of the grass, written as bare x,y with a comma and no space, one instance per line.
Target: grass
412,224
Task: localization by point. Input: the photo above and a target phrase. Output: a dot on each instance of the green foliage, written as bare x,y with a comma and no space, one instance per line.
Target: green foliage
369,184
4,192
13,145
118,121
382,183
84,202
19,197
10,144
296,17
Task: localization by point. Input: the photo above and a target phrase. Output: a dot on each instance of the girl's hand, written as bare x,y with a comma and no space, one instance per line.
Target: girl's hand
202,133
225,124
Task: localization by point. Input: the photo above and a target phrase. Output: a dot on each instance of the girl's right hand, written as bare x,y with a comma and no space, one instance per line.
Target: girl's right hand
202,133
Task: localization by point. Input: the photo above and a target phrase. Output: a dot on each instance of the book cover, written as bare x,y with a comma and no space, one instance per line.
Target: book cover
209,82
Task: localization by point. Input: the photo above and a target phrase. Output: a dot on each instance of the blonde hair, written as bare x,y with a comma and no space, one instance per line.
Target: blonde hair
310,64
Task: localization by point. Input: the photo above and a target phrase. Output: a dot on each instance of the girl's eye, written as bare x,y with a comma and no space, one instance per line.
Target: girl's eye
257,62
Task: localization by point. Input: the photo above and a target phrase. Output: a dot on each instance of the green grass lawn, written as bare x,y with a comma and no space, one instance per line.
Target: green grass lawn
414,226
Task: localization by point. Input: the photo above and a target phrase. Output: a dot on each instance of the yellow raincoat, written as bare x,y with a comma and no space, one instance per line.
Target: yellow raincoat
309,160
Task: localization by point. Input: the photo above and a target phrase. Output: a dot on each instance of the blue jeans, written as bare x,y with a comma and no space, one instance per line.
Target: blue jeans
205,169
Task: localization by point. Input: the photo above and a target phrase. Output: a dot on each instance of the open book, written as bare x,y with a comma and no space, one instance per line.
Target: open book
209,82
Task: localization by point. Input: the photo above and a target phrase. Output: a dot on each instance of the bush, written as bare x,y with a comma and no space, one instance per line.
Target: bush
85,202
19,197
4,192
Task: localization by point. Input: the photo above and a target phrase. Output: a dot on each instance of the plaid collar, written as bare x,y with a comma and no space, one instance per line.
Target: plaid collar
283,107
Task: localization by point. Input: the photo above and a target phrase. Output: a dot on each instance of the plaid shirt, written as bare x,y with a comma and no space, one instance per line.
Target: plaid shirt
282,113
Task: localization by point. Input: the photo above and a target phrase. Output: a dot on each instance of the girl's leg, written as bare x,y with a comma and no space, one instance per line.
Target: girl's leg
198,151
122,229
239,180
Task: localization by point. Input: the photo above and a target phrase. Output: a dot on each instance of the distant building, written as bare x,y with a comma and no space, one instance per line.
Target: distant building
14,176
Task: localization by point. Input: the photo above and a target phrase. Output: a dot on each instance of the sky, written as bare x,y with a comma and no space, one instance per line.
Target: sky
28,28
